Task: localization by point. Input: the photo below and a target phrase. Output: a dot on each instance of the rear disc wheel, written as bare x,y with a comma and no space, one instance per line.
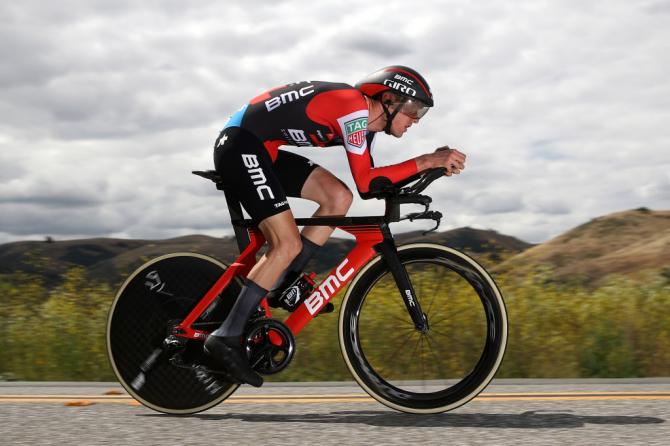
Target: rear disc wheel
156,297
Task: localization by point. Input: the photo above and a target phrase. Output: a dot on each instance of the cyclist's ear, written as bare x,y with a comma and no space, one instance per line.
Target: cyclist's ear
388,98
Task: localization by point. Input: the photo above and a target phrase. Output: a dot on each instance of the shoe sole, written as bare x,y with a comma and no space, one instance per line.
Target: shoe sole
224,355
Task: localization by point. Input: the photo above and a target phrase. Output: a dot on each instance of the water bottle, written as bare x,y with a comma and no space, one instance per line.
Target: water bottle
293,296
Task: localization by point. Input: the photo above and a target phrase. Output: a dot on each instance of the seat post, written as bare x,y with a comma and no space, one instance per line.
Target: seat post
235,209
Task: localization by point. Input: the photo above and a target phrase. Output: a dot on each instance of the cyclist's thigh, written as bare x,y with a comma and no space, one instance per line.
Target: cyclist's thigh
325,188
293,170
246,168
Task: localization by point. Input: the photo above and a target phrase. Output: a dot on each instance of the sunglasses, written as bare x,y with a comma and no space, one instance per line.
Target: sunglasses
412,108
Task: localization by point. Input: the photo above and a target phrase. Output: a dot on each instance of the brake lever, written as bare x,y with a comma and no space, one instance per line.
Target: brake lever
426,215
437,225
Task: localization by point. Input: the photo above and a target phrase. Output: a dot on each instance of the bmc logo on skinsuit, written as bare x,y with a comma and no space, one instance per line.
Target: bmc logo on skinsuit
327,288
257,176
287,97
296,136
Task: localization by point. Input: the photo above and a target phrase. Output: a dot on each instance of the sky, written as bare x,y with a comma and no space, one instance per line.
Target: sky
562,107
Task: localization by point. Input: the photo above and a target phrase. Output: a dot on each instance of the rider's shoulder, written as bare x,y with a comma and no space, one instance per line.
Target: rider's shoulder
341,93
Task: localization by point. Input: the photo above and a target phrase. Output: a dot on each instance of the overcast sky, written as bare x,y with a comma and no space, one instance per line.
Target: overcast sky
562,107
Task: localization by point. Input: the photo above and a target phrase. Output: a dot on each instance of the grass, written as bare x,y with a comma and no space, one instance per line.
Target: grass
619,329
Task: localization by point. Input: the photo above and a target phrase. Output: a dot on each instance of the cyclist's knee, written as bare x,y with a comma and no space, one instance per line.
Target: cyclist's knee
344,199
285,249
339,200
294,246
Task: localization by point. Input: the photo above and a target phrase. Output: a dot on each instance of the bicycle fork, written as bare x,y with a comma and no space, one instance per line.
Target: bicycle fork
389,252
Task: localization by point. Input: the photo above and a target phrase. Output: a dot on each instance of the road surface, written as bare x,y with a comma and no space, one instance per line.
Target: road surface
518,412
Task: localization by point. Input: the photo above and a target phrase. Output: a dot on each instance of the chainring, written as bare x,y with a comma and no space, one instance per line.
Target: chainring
270,346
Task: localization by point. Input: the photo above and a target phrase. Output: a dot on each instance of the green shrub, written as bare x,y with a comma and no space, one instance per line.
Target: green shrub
621,329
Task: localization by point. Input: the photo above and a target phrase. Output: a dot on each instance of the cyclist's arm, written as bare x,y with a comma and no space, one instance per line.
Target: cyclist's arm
346,113
364,173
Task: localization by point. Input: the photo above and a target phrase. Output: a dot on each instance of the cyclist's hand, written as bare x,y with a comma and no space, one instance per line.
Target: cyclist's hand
450,159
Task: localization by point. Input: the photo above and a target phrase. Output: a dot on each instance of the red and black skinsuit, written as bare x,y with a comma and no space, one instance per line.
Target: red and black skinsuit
309,113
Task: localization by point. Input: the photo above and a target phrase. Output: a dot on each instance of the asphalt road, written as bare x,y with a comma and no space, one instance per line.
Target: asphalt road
538,412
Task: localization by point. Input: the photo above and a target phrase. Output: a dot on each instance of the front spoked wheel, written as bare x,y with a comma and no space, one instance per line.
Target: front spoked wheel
448,364
158,296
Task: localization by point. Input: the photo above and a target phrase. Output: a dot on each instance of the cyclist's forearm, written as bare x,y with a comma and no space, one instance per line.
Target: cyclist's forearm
424,162
451,159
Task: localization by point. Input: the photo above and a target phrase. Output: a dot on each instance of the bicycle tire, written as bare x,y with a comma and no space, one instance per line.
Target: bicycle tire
159,293
366,334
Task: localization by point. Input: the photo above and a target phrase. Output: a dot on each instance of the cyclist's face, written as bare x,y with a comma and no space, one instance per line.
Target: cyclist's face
401,123
413,108
408,113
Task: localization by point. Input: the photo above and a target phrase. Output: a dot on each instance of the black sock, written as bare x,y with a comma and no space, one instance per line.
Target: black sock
309,248
249,299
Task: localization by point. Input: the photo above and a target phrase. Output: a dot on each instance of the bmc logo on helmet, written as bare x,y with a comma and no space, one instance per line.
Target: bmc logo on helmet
400,87
328,288
404,79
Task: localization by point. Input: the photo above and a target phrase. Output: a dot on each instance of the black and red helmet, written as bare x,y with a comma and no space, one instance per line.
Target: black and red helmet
397,79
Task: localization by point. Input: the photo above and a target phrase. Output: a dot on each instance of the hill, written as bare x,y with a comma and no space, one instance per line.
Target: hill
111,260
468,239
628,243
104,258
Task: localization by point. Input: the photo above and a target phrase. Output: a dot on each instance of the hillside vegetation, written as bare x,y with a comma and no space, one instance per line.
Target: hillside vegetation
111,260
631,244
594,302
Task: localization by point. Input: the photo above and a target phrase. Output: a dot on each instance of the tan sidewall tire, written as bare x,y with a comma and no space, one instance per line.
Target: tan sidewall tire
500,355
125,385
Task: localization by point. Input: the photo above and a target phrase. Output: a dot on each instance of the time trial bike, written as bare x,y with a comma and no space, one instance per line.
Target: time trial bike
422,327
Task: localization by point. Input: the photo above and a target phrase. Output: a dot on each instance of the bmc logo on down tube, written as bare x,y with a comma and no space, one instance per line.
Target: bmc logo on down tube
327,288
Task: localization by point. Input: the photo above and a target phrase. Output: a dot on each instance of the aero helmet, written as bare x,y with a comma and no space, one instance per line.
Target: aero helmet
413,90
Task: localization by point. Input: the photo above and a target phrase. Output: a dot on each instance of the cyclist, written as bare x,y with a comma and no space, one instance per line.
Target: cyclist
310,113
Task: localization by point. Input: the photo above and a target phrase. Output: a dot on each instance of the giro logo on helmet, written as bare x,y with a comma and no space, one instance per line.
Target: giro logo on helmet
398,79
400,87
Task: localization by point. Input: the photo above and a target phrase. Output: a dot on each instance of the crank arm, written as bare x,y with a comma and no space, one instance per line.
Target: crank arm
170,344
146,367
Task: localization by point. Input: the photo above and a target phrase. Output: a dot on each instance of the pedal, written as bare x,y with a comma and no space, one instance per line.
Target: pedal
209,380
205,367
174,343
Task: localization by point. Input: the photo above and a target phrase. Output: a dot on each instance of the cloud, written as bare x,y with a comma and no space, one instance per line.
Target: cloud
107,106
10,169
37,221
496,202
377,44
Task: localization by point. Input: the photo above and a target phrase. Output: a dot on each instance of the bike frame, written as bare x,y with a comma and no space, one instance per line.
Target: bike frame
372,237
